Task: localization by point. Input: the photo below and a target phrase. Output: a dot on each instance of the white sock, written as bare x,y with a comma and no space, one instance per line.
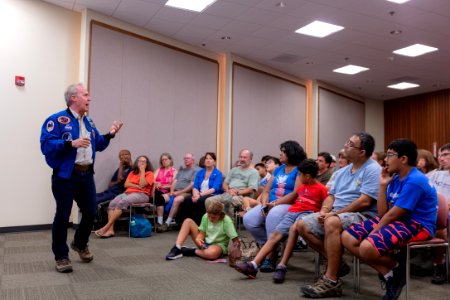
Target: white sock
169,219
254,264
178,246
160,220
333,281
388,274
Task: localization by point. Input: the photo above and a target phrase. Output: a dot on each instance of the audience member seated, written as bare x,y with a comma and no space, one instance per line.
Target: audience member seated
138,188
180,188
333,163
406,212
264,177
164,176
278,195
201,162
441,181
342,162
116,185
270,164
425,161
352,199
211,237
208,182
241,181
379,157
310,196
324,160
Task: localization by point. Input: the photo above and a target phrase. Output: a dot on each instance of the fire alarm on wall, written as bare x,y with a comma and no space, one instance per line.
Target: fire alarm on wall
20,81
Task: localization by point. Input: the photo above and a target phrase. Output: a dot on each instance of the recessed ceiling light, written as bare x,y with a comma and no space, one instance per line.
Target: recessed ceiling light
415,50
398,1
403,86
350,70
319,29
197,5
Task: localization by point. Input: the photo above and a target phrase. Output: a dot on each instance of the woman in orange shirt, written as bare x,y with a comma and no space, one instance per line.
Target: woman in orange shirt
138,186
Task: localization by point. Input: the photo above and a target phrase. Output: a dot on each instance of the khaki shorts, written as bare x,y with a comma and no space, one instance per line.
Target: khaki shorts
347,219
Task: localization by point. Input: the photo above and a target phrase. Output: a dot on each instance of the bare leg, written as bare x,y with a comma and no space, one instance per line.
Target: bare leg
350,243
189,227
108,229
290,245
211,253
274,238
439,251
333,246
368,253
175,206
312,240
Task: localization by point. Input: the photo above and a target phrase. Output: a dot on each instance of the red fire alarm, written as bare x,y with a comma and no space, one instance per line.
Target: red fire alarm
20,80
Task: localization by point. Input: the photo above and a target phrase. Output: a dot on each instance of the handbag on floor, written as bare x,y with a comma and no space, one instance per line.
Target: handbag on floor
242,252
140,227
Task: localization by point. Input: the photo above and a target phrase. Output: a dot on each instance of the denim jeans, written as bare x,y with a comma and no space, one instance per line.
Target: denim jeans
261,227
81,188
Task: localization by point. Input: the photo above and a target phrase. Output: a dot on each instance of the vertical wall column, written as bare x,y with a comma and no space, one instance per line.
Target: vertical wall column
224,113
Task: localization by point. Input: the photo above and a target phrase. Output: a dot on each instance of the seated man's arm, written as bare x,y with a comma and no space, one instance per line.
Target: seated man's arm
225,187
187,189
245,192
172,187
361,204
253,181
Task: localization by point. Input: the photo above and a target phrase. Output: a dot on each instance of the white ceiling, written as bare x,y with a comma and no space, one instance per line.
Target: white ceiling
262,31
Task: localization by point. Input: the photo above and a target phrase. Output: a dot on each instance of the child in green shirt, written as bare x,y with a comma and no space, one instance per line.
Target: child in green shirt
211,237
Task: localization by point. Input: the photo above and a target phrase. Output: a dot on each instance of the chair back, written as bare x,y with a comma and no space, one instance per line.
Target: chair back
442,213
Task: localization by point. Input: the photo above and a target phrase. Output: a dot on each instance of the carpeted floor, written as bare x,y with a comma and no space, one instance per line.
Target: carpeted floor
127,268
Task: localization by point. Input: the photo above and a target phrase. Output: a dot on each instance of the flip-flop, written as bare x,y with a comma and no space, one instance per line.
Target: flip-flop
106,236
97,234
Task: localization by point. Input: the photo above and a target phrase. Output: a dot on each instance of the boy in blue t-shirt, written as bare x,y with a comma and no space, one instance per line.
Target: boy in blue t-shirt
407,207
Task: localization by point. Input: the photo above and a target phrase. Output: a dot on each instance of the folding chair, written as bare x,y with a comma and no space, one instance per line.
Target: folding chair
149,209
441,223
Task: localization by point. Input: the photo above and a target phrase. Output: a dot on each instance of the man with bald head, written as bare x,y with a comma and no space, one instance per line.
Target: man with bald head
241,181
181,188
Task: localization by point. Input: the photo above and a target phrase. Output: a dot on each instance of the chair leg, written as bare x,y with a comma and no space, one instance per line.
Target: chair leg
447,263
356,275
317,264
407,271
129,220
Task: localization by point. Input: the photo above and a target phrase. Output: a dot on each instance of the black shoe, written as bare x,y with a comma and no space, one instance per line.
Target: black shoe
187,251
300,246
395,284
439,276
343,270
267,266
174,253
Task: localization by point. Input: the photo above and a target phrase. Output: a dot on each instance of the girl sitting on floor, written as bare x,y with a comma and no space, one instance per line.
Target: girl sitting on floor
211,237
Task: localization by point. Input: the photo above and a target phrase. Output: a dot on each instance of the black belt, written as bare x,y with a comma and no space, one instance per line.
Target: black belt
83,168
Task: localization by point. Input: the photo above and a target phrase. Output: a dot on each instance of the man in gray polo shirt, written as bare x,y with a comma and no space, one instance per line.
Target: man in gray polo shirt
241,181
180,188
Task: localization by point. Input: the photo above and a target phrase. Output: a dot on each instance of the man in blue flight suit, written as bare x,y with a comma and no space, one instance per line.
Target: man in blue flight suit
69,140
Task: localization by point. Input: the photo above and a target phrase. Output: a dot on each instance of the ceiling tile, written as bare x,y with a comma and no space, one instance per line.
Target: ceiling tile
137,11
106,7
